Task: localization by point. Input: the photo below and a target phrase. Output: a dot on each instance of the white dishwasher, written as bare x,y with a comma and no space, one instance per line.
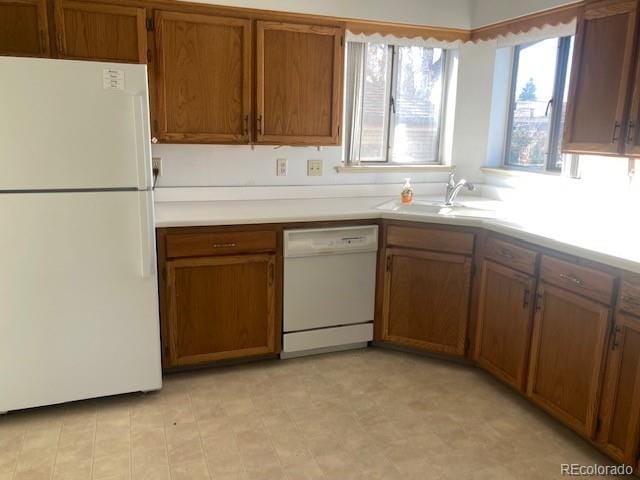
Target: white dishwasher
329,289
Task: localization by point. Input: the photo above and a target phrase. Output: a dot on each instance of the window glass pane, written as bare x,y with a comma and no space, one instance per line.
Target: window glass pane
375,101
417,100
533,90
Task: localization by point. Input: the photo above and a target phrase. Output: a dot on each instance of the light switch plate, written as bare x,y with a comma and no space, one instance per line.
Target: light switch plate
281,167
314,168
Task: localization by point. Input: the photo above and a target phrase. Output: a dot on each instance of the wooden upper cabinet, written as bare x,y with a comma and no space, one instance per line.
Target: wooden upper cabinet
600,79
23,28
567,356
632,137
299,84
220,308
426,300
503,332
620,407
203,78
95,31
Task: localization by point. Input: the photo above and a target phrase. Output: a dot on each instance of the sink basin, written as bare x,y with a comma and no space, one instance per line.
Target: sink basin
470,208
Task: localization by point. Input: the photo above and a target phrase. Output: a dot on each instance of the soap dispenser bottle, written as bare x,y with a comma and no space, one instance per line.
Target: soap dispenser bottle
406,195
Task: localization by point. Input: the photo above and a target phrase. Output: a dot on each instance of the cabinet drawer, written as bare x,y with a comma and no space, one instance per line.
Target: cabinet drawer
430,239
220,243
582,280
513,256
629,300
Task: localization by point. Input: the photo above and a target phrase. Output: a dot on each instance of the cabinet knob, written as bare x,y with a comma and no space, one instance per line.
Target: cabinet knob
154,140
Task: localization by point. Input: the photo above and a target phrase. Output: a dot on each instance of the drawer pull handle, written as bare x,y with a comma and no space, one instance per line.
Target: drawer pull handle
503,252
614,340
224,245
571,278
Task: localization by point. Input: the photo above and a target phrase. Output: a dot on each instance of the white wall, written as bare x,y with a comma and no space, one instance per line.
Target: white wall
486,12
452,13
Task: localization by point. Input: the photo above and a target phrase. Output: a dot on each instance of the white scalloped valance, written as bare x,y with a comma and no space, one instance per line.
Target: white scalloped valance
537,34
404,41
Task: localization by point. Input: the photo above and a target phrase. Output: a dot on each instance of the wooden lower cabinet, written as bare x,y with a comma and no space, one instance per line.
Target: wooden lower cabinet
567,356
503,329
426,300
220,308
619,434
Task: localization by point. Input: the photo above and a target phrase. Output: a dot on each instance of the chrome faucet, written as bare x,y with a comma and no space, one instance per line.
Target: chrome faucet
453,188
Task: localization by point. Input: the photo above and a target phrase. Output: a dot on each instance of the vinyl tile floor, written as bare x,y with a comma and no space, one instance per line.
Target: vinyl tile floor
363,414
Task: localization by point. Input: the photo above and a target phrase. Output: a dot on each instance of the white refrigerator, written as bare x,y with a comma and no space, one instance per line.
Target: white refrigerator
78,282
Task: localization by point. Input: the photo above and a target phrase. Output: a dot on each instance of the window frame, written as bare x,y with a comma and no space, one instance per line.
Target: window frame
554,134
389,110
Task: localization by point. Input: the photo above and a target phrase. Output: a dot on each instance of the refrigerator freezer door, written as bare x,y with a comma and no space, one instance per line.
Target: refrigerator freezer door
73,125
78,306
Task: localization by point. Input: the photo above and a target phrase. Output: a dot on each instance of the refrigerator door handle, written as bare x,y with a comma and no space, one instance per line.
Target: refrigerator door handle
143,140
147,230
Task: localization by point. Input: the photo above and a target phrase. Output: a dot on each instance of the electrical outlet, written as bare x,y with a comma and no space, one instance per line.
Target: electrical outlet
156,166
281,167
314,168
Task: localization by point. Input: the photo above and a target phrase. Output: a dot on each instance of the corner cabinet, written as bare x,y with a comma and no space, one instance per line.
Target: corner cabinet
299,83
219,294
426,292
570,331
24,28
619,435
203,78
602,85
101,32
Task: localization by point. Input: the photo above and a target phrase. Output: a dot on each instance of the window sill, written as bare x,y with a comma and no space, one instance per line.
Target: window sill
507,172
393,168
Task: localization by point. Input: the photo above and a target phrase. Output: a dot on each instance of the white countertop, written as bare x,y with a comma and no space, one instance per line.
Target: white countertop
597,236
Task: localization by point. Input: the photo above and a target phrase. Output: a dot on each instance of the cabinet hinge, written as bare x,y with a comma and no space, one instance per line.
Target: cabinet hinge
467,344
342,41
155,127
148,55
598,424
473,269
150,24
389,263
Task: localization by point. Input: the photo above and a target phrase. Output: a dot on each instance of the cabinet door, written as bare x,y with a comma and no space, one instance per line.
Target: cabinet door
95,31
567,350
602,62
426,300
23,28
632,138
620,407
220,308
203,78
299,84
503,332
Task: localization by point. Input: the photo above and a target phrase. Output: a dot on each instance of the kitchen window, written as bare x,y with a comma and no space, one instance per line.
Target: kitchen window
393,104
539,89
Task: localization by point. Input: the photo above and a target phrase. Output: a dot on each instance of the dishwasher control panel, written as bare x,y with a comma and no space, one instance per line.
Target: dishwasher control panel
325,241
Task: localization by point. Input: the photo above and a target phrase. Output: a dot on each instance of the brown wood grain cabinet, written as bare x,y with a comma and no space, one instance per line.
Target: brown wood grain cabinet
567,356
299,83
426,300
221,308
102,32
203,78
503,329
220,294
620,408
601,78
23,28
